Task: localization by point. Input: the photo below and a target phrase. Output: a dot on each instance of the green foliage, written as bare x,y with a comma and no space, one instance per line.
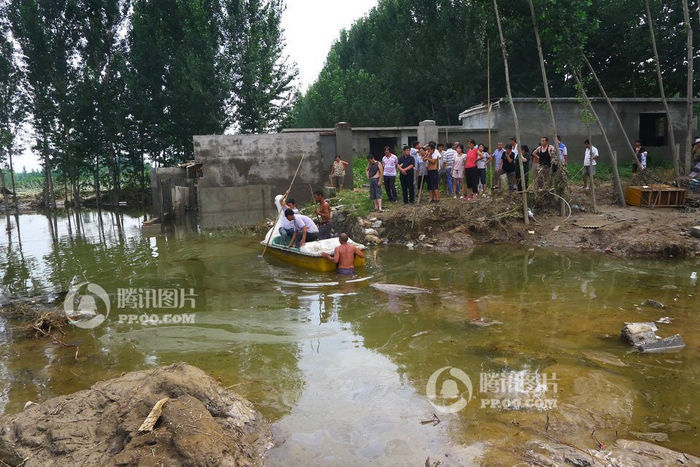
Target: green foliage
263,94
176,75
427,59
112,84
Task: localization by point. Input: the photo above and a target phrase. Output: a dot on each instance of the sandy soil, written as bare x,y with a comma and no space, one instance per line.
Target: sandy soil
628,231
201,423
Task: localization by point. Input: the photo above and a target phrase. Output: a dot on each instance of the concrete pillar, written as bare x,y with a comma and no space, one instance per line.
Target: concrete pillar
427,131
343,147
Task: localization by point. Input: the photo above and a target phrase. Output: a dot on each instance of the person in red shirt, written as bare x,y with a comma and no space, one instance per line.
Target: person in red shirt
471,173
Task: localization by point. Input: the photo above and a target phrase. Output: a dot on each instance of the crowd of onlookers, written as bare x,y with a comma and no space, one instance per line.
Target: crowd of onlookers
462,170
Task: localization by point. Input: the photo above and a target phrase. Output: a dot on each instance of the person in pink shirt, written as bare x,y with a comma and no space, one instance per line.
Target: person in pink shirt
389,162
471,171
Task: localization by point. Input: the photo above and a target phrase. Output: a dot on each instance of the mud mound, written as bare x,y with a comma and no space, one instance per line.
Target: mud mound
201,424
480,216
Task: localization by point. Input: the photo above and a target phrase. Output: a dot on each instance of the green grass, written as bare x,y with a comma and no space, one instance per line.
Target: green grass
359,164
357,201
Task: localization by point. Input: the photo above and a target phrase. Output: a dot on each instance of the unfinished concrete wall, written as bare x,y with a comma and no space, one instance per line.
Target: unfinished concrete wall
243,173
163,182
535,122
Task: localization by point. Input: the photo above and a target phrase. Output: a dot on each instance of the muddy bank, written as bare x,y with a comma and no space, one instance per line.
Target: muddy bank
455,224
201,423
622,453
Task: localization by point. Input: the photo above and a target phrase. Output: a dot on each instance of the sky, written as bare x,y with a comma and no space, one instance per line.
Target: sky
311,27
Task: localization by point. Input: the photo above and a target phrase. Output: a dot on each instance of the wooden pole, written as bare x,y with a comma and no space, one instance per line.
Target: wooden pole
613,154
526,218
289,189
420,192
612,109
689,90
662,92
488,108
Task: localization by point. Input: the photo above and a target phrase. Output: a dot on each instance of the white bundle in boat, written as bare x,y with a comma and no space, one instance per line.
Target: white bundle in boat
320,246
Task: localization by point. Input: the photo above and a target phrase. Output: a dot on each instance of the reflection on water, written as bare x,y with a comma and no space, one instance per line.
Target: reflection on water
341,367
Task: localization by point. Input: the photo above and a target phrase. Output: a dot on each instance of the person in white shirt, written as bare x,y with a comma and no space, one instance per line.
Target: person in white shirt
481,163
589,163
448,158
286,227
641,156
304,228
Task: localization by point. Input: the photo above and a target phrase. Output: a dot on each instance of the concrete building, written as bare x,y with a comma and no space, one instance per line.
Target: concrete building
643,119
241,174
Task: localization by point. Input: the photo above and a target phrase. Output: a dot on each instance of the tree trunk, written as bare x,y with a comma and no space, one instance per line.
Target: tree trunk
4,201
545,83
97,182
50,197
612,109
143,181
671,136
12,177
613,154
526,218
689,91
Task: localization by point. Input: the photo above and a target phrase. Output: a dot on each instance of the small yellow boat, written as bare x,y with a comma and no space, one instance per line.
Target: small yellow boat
309,256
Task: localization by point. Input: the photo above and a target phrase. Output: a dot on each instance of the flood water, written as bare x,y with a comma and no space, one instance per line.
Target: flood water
340,368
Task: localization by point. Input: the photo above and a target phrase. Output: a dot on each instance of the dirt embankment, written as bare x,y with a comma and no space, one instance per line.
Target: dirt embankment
455,224
201,423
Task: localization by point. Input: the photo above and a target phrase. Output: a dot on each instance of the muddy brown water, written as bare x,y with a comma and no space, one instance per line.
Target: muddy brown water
340,368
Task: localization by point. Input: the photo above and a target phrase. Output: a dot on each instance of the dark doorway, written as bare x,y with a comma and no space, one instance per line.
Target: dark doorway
412,140
652,129
376,146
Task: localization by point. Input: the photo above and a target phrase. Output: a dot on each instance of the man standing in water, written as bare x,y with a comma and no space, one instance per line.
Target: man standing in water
323,211
344,255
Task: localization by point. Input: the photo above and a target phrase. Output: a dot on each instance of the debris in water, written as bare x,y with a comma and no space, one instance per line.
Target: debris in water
396,289
433,421
643,337
422,333
653,304
664,320
556,228
484,323
654,437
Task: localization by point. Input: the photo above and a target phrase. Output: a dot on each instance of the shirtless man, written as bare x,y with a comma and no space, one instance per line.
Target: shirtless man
344,255
323,211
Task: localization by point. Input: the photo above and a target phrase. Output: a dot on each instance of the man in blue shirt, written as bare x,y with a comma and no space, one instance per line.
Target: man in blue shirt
421,171
563,152
497,156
